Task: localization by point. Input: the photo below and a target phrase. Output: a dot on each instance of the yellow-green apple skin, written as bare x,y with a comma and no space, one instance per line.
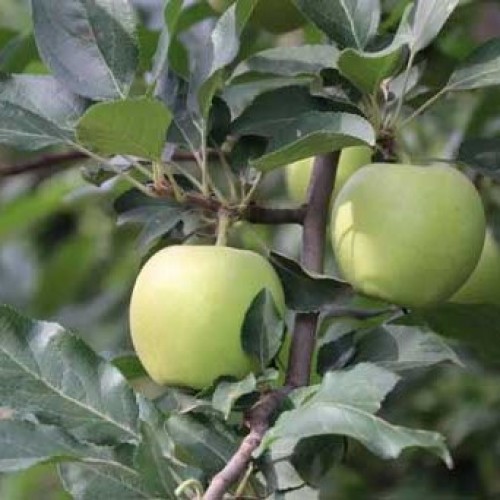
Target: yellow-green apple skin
408,234
483,286
275,16
298,174
187,309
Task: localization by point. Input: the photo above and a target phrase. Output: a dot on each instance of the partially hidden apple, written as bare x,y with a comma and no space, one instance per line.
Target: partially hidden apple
187,309
408,234
275,16
483,286
298,174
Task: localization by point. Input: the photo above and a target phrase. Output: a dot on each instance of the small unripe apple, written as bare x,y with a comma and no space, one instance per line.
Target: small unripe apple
187,309
298,174
407,234
275,16
483,286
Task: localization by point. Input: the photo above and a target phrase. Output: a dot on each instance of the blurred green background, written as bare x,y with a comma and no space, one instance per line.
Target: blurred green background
63,258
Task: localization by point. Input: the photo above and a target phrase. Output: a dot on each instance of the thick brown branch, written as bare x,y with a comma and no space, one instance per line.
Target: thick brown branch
259,417
313,250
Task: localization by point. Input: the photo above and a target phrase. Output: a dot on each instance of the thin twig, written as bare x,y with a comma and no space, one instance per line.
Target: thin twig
259,416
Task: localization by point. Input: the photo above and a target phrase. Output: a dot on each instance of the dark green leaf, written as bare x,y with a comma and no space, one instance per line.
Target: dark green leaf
24,444
314,133
37,111
49,372
263,329
136,127
480,69
292,61
90,46
227,393
305,291
482,155
350,23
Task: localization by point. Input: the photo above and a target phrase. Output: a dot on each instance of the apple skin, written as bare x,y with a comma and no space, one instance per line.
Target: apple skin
187,310
298,174
483,286
275,16
407,234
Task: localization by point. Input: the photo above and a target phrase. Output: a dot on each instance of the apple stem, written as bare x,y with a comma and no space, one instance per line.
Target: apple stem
224,221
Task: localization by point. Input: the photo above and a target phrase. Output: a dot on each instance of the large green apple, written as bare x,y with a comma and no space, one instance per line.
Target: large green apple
298,174
187,310
407,234
483,286
275,16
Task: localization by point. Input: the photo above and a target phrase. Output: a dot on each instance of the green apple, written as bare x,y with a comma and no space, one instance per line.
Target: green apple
275,16
408,234
187,310
483,286
298,174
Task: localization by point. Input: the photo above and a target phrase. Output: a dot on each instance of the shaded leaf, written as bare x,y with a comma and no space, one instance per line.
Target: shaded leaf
480,69
90,46
305,291
37,111
481,154
263,328
227,393
49,372
350,23
136,127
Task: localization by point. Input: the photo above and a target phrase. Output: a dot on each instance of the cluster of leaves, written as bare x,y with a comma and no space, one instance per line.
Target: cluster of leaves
138,94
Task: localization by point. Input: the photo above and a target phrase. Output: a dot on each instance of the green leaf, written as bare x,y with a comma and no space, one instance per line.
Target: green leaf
221,49
24,444
481,154
400,348
154,459
480,69
227,393
423,21
306,291
37,111
350,23
345,404
263,329
277,108
202,442
157,216
91,47
18,54
136,127
367,70
49,372
314,133
474,324
291,61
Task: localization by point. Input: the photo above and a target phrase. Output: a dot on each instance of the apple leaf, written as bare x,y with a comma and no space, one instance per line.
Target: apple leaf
314,133
423,21
306,291
227,393
291,61
136,127
206,442
480,69
367,70
90,46
263,329
481,154
345,404
350,23
37,111
52,374
24,444
474,324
